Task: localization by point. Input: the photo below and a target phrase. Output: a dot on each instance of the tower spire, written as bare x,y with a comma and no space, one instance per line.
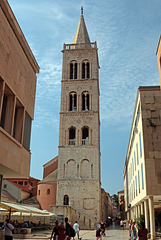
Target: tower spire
81,35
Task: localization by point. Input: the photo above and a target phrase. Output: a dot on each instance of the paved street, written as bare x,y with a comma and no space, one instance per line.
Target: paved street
112,233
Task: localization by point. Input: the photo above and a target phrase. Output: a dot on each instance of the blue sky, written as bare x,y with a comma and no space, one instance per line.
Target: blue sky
127,34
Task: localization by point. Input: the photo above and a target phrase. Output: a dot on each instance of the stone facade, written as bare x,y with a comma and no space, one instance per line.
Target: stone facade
79,134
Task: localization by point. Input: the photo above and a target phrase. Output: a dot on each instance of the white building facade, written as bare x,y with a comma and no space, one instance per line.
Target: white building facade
142,171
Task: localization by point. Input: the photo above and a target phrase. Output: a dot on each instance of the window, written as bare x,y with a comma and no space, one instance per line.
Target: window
18,121
39,192
48,191
139,181
85,136
135,160
72,136
72,101
140,145
66,200
73,70
3,114
142,176
85,69
27,131
85,101
136,185
137,153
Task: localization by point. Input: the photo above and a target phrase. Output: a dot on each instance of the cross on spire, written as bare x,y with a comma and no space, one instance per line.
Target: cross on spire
81,10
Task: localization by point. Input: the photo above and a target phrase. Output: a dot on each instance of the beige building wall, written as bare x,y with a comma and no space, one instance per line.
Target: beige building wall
142,181
18,69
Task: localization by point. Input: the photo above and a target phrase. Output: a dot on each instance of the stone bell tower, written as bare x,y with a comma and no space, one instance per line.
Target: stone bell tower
79,135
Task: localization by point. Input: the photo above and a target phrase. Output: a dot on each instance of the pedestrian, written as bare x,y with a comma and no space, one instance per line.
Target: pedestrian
130,224
122,224
76,228
99,233
67,227
142,233
62,235
55,231
8,230
103,228
133,231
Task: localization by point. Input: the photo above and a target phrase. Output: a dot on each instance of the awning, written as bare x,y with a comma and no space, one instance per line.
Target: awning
3,211
20,209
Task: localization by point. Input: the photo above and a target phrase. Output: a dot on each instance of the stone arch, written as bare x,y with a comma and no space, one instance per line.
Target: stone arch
85,169
71,168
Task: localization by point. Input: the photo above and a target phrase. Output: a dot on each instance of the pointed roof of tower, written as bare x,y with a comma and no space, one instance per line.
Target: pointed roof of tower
81,35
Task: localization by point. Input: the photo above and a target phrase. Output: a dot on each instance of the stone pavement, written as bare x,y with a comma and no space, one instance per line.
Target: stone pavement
112,233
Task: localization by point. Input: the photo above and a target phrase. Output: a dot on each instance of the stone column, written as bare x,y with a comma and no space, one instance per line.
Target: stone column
142,208
146,214
139,210
152,218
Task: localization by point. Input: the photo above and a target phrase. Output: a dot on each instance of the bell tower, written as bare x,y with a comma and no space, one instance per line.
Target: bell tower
79,135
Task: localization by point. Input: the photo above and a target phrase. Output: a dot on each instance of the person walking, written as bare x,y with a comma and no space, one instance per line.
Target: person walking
8,230
62,235
130,225
76,228
55,231
133,231
142,233
99,233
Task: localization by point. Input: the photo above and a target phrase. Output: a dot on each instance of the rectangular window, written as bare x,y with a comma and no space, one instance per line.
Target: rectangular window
139,181
142,176
135,160
137,153
27,131
3,114
140,145
136,185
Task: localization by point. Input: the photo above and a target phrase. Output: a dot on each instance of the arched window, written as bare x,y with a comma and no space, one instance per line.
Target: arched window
66,200
48,191
85,101
73,70
85,69
72,136
85,136
72,101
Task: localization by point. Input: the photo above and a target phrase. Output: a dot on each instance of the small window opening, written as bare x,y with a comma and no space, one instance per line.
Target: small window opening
66,200
48,191
72,136
85,136
71,71
83,70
